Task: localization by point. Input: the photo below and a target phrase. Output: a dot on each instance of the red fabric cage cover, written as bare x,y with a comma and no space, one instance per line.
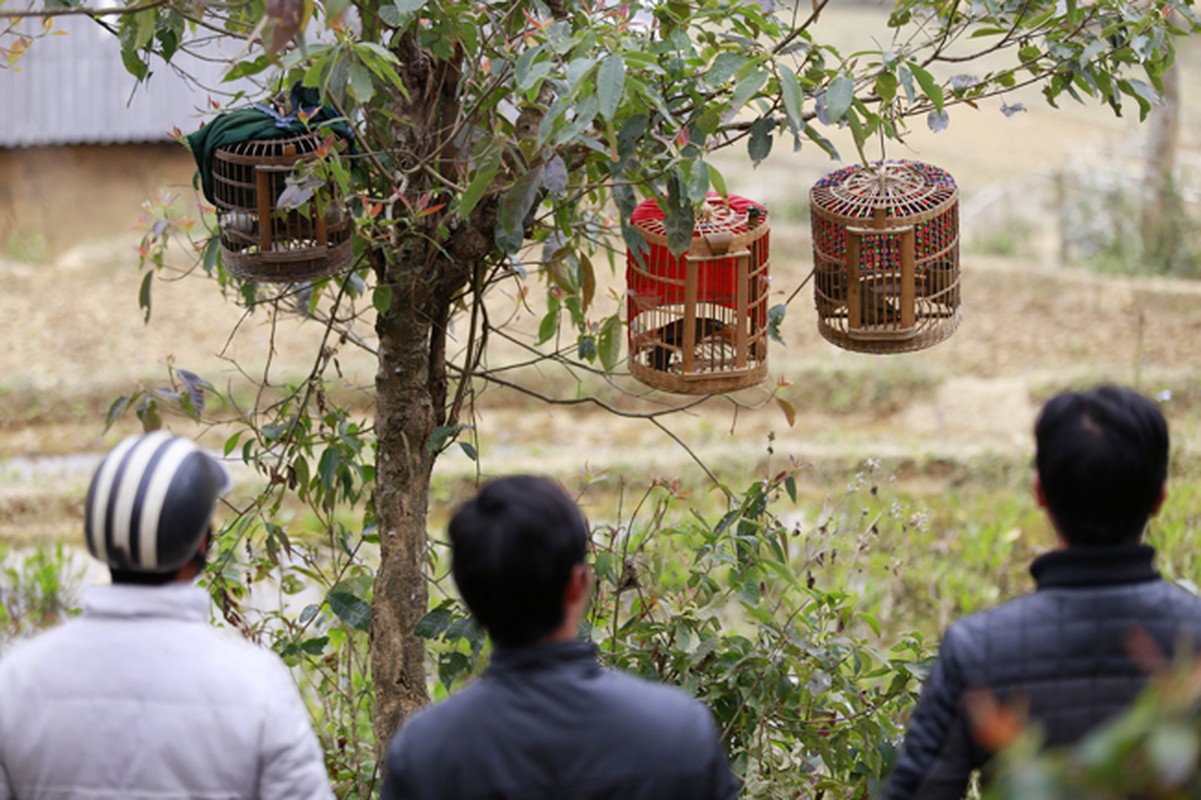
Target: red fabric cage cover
662,281
720,285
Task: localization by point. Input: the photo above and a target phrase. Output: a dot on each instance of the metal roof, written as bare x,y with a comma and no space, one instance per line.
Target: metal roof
73,89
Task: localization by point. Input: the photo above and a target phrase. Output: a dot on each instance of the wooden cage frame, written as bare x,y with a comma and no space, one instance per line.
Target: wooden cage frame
304,243
698,323
886,256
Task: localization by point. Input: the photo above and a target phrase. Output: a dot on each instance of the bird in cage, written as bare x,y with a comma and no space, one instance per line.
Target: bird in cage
241,225
942,277
671,339
875,307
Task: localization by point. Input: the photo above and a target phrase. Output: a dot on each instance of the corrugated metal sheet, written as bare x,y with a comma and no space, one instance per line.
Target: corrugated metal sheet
74,89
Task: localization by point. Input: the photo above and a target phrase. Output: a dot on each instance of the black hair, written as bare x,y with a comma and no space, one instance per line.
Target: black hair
134,577
1102,459
514,546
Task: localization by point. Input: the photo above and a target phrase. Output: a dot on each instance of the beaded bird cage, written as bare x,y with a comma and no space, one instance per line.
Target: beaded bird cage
886,256
698,323
306,240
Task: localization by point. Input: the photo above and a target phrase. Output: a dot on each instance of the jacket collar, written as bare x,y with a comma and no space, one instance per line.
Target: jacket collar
181,601
1079,567
538,657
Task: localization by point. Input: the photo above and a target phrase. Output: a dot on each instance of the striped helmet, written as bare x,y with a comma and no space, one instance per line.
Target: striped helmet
151,502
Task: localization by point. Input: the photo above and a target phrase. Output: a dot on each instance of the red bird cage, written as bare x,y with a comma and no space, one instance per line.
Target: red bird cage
886,256
698,323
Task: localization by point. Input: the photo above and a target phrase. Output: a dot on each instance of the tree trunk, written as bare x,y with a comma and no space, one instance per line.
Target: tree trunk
410,393
429,267
404,418
1159,222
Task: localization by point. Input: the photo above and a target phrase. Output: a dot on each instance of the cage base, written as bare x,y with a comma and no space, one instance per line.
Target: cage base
886,343
699,383
288,266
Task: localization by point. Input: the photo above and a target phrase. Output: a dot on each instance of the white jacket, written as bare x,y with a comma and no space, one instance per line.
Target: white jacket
142,699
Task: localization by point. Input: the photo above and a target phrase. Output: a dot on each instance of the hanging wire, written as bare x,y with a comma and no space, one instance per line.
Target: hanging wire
804,283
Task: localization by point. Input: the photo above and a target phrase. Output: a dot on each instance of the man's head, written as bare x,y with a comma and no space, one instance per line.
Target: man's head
150,507
517,548
1102,458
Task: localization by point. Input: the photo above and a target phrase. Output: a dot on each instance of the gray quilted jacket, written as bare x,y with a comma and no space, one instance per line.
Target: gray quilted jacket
1060,653
546,722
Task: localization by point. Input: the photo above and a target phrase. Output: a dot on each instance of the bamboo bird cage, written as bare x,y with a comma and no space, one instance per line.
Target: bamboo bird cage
698,322
260,241
886,256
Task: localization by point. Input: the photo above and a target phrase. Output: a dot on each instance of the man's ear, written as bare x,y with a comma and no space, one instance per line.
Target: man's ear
579,585
1039,495
1163,494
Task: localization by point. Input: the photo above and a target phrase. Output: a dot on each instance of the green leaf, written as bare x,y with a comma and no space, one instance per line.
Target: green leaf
144,295
350,608
632,130
440,437
391,17
775,318
380,61
328,467
525,62
906,79
361,86
718,181
577,70
315,646
929,85
697,183
435,623
585,113
886,86
760,141
725,66
485,173
680,219
839,95
825,144
244,69
133,62
790,88
610,342
550,323
469,450
1142,93
610,83
381,298
514,206
404,11
748,85
212,255
114,410
168,42
144,22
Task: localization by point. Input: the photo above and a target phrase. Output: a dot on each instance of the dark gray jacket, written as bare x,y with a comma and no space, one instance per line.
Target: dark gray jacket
546,721
1060,653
